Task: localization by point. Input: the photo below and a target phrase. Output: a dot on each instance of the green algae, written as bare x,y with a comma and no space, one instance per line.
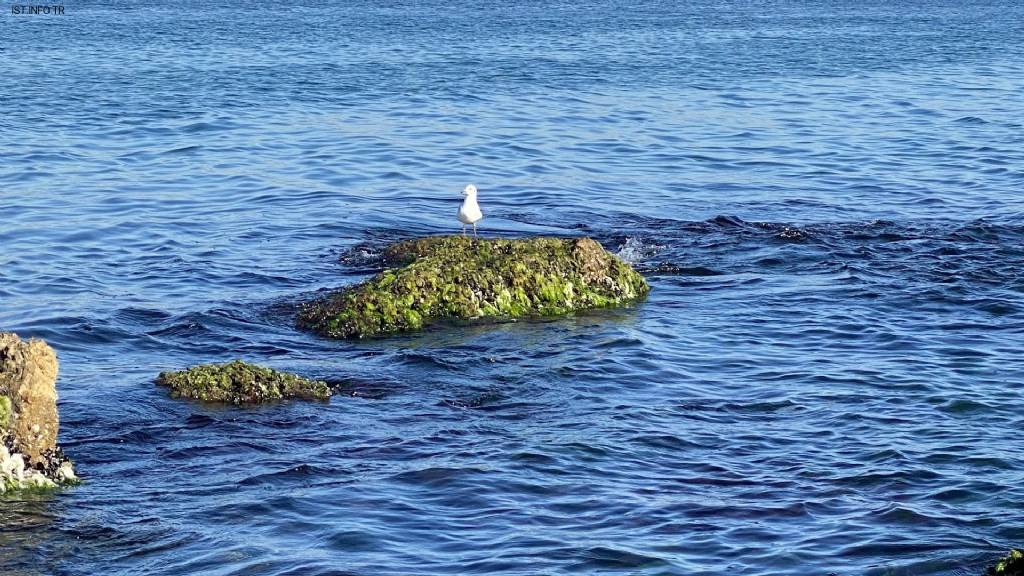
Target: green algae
1010,565
462,278
238,382
6,409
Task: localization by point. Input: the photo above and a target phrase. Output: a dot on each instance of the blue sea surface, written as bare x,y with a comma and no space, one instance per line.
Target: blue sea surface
826,197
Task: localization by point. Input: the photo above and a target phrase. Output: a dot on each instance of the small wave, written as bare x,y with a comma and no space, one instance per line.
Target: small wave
198,127
971,120
669,269
635,250
184,150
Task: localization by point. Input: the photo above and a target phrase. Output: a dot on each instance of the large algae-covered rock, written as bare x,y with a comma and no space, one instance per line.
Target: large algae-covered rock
241,383
458,277
1010,565
29,456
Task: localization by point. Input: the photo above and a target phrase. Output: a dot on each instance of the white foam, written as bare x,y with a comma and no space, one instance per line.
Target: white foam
634,251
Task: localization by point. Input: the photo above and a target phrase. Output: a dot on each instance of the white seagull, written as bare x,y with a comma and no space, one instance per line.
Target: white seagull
469,212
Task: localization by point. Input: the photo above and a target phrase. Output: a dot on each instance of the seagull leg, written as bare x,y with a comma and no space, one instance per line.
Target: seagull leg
474,229
463,229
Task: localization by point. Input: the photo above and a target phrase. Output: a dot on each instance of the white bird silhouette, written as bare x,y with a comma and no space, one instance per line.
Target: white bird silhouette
469,212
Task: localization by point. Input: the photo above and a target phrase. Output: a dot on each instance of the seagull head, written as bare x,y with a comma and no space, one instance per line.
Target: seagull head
469,190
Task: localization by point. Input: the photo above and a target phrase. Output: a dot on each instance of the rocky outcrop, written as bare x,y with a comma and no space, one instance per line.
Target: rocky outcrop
240,383
1010,565
462,278
29,456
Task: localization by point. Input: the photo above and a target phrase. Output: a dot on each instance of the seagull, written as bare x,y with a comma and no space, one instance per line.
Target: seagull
469,212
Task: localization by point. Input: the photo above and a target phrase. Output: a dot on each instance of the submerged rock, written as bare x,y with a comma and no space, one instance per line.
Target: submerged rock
458,277
240,383
1010,565
29,455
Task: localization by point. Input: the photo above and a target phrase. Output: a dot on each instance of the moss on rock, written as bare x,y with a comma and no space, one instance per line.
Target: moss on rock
458,277
6,411
238,382
1010,565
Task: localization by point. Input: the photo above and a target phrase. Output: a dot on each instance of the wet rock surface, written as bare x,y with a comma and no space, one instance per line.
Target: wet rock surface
463,278
29,455
239,382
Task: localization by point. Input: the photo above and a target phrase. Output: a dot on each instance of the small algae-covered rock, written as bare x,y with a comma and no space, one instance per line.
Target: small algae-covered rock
461,278
29,455
1010,565
240,383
